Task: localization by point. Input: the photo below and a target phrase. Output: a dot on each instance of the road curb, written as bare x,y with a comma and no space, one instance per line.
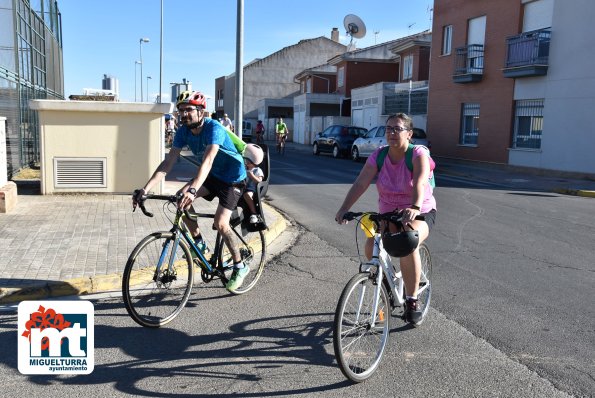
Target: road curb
575,192
100,283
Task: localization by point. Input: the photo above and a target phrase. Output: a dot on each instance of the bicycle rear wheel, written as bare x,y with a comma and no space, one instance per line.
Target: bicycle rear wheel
358,345
253,250
155,294
424,293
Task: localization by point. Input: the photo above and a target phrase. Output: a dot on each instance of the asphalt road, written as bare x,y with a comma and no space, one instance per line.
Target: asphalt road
514,268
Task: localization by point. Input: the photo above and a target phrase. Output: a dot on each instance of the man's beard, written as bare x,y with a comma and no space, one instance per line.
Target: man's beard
193,125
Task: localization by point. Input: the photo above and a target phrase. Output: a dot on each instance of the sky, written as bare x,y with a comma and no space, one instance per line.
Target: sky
199,38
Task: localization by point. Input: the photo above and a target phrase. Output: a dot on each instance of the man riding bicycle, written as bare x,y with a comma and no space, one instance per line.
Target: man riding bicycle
221,173
281,131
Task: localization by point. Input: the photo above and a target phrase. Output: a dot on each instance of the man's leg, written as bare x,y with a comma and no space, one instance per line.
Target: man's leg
193,225
222,217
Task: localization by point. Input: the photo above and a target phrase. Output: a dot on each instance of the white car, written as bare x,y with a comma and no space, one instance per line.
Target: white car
364,146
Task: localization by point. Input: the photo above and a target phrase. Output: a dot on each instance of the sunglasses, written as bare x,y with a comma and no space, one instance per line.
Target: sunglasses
395,130
187,110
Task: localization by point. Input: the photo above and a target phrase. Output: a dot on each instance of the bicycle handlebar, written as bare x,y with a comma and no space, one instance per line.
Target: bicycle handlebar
377,217
170,198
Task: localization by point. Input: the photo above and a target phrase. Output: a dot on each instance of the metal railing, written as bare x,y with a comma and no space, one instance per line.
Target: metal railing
469,59
528,48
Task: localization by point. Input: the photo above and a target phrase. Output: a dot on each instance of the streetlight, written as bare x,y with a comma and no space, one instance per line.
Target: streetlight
140,46
148,77
135,63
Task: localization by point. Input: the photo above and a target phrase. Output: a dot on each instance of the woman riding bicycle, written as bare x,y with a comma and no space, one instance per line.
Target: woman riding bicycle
402,189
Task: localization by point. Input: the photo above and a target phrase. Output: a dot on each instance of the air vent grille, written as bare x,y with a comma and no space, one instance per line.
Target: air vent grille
79,173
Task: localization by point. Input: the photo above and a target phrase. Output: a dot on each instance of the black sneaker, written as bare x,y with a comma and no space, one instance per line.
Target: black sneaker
412,313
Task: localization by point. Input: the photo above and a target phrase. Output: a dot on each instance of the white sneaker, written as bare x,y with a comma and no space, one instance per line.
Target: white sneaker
253,219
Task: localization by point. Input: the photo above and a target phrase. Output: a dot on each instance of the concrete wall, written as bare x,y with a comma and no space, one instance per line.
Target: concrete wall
8,189
3,157
273,76
127,136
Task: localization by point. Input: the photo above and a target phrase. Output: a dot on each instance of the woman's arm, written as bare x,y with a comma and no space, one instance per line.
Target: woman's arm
361,184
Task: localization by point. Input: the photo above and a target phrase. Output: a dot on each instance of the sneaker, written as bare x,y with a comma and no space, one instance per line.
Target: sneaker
412,313
253,219
237,278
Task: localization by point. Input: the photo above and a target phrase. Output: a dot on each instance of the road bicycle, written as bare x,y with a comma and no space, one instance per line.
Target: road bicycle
281,144
159,273
368,301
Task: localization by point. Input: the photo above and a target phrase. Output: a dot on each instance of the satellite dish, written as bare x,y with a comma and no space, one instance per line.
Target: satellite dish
354,26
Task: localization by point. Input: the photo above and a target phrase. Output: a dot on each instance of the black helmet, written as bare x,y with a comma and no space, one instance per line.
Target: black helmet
400,244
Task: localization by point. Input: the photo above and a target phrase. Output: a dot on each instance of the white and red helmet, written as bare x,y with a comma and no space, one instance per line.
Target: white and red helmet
193,98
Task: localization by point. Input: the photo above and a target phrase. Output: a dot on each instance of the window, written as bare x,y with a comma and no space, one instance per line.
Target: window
407,67
528,124
341,76
469,124
309,85
446,39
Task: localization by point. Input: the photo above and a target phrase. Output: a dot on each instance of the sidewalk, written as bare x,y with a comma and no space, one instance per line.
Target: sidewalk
59,245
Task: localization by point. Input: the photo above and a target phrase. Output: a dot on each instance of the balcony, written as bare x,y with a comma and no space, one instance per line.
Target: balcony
527,54
468,64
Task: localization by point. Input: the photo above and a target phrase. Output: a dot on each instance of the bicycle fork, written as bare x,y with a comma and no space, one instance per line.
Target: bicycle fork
376,300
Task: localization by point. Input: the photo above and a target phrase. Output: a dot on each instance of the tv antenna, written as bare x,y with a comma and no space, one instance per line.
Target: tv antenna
355,28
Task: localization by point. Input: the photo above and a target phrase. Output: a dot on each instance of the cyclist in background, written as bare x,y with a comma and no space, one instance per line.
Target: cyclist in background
399,188
221,173
281,131
259,132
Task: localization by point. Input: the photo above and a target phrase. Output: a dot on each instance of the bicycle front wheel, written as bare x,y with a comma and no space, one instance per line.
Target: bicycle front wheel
358,340
154,292
253,248
424,292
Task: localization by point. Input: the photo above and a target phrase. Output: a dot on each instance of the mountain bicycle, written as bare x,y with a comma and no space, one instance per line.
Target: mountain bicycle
362,318
159,273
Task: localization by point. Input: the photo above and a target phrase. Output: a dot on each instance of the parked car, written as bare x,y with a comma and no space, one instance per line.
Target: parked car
246,131
364,146
337,139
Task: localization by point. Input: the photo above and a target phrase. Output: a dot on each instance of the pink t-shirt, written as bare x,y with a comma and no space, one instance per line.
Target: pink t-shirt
395,183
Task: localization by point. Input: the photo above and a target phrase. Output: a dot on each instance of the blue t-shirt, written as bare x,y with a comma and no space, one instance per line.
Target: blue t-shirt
228,165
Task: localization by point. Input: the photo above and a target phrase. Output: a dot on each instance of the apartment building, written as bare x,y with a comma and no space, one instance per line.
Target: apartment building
512,82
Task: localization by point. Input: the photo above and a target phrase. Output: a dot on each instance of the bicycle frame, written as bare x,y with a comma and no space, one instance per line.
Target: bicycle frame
180,229
385,270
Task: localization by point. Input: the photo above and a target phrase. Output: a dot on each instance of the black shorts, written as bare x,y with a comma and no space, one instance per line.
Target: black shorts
228,194
430,218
